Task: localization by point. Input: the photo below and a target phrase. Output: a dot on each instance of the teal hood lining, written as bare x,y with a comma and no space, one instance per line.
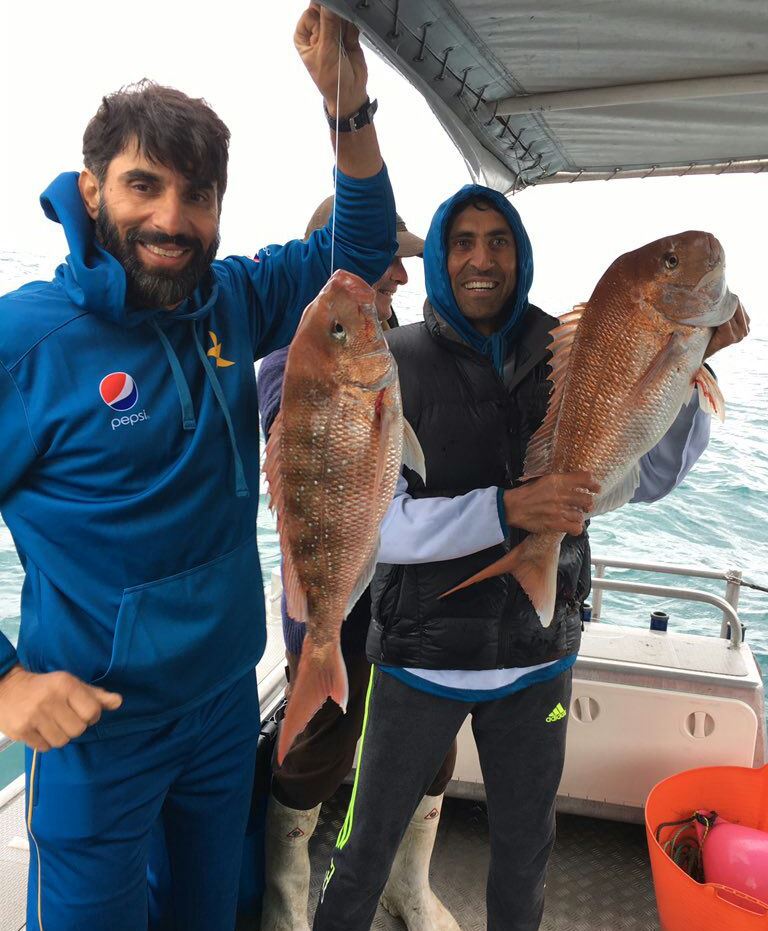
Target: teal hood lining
438,283
94,281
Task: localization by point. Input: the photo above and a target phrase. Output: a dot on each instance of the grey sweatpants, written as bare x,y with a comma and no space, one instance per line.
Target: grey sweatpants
406,734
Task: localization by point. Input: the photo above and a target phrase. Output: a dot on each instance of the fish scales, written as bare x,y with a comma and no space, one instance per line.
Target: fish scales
331,482
602,430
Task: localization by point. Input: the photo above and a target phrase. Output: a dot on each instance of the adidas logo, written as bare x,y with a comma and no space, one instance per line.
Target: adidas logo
556,714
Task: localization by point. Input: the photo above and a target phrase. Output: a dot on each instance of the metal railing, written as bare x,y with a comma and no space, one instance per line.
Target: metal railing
727,605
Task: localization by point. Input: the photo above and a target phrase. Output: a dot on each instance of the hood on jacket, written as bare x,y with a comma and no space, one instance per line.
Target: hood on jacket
92,278
438,283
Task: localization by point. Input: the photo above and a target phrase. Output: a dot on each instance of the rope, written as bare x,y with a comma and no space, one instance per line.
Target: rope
683,846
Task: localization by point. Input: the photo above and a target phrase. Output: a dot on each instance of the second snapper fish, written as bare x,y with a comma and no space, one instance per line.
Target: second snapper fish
622,366
333,458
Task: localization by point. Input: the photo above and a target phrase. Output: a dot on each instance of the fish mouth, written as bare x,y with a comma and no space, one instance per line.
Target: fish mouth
715,274
720,304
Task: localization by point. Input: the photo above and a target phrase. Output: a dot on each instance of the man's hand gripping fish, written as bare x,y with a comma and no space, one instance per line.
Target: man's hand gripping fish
333,458
622,364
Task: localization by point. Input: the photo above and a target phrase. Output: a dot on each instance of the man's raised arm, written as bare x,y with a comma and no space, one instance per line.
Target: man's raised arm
317,42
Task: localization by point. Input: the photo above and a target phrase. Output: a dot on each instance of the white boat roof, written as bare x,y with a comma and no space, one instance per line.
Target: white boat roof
567,90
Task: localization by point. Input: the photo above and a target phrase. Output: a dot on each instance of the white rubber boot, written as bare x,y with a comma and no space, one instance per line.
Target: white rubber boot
407,894
286,885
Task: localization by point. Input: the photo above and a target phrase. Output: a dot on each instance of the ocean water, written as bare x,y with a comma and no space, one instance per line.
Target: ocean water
716,519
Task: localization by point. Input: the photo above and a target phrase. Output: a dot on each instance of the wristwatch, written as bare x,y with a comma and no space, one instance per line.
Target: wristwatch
351,124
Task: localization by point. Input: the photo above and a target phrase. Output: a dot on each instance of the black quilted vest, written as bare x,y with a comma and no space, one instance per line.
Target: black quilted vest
474,427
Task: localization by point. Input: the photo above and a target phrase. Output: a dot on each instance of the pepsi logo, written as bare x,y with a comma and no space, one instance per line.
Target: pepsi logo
118,391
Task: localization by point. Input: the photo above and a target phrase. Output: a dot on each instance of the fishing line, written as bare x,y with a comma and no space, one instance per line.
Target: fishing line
342,51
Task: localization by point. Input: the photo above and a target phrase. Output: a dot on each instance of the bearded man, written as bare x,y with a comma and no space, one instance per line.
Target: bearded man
130,485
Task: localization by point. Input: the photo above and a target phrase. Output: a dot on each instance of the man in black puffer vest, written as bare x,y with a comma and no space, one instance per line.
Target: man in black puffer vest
474,383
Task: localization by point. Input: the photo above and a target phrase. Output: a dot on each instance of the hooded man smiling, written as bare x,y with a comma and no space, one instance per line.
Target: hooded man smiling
130,484
473,377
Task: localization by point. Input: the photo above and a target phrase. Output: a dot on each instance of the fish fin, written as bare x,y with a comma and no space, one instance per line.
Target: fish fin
388,411
413,454
295,594
573,315
711,398
364,580
538,457
619,494
535,569
321,675
271,467
660,365
387,408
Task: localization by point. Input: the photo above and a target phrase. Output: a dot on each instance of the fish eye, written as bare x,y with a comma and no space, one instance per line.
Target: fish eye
671,260
338,332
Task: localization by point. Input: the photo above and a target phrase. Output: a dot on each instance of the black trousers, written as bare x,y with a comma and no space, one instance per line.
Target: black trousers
521,746
324,752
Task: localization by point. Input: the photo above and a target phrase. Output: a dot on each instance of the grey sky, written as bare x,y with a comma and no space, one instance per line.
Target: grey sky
58,59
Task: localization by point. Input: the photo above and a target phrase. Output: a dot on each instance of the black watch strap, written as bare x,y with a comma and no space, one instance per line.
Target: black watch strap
351,124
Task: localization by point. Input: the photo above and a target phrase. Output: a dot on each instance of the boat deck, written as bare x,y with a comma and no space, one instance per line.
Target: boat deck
599,874
14,859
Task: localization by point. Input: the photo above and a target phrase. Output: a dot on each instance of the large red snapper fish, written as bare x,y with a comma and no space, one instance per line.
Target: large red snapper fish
622,366
334,454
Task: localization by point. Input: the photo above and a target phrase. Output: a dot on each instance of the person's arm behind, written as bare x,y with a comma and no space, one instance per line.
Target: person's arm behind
269,387
667,464
672,458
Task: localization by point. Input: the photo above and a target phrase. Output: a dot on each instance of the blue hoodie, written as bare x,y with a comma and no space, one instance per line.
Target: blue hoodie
130,473
438,284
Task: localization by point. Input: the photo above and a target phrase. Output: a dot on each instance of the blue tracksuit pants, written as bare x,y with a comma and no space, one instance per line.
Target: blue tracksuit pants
146,830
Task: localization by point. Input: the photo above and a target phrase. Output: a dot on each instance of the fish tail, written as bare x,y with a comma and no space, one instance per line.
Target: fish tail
321,675
534,565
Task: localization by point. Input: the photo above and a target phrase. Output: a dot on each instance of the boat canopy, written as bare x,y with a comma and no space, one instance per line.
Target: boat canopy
572,90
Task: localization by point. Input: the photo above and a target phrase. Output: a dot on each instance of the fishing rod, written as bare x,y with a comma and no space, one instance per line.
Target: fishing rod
754,585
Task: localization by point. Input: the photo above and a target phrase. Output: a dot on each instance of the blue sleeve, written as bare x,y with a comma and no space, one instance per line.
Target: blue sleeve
19,454
269,387
282,280
672,458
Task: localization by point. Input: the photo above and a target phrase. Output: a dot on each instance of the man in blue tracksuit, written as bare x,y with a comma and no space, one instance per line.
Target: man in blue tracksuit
130,481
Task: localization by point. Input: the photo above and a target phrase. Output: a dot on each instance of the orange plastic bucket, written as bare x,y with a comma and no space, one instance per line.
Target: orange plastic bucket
739,795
